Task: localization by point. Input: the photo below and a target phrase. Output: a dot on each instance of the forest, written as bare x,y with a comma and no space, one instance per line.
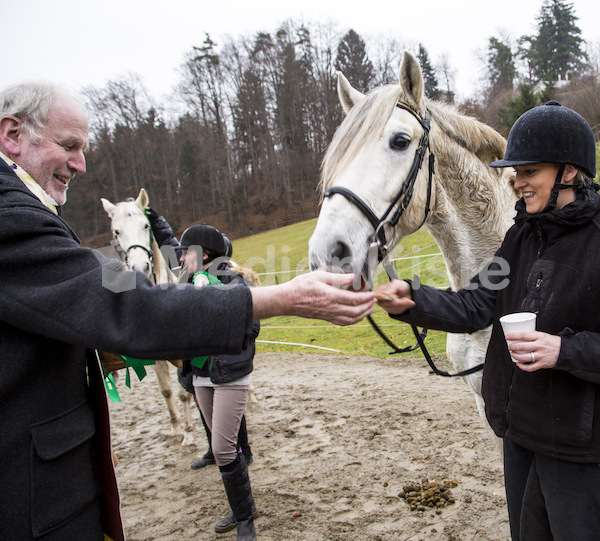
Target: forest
240,141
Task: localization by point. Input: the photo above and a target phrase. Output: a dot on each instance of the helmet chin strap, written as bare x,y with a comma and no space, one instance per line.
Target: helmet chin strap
558,185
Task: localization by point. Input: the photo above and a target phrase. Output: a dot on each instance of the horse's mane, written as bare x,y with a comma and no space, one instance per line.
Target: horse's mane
363,126
455,138
468,133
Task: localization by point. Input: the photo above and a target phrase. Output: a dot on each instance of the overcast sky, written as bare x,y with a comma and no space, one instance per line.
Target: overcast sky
79,42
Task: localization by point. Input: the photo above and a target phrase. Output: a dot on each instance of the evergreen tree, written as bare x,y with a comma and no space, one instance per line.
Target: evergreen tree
556,51
517,106
353,62
429,79
501,66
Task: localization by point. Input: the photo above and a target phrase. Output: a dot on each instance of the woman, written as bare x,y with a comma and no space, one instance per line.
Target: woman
546,404
221,382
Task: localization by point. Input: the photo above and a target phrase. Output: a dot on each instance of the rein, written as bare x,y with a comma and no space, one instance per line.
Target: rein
378,245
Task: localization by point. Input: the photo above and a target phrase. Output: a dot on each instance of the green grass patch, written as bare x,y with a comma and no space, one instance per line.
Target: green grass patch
279,255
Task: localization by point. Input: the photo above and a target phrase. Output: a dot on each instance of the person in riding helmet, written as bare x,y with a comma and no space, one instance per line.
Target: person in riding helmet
221,382
545,400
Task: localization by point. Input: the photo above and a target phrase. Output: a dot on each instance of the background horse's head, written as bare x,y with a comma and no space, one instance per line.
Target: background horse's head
132,232
387,137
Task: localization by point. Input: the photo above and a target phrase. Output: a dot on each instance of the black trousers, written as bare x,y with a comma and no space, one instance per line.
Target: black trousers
550,499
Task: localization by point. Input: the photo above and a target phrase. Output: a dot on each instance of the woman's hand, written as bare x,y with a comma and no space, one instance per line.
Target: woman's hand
395,297
534,350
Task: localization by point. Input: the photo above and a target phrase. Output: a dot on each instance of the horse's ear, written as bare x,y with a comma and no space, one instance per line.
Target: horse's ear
349,96
108,206
142,199
411,78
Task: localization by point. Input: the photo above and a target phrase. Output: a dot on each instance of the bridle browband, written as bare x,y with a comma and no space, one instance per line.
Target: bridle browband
378,243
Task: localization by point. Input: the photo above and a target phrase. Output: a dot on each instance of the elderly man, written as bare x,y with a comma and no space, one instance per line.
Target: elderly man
57,480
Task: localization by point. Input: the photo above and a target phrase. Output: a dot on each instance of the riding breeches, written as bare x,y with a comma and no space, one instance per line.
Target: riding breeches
222,407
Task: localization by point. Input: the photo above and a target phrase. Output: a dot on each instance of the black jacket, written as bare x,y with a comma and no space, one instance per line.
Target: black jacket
57,478
554,269
225,368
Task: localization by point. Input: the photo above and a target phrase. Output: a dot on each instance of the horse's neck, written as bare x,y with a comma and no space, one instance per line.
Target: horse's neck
160,270
469,235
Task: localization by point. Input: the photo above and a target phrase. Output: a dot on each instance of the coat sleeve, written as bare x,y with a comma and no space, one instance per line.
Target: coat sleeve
53,287
465,311
579,354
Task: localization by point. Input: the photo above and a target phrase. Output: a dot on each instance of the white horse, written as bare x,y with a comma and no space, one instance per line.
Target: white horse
370,199
140,252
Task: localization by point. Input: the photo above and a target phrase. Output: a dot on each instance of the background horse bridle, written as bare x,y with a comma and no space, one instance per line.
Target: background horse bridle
125,251
378,244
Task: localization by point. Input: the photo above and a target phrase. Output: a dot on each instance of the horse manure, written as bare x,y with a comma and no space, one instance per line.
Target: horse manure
428,493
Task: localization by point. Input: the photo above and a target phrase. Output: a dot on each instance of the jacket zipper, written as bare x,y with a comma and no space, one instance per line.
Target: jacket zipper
537,294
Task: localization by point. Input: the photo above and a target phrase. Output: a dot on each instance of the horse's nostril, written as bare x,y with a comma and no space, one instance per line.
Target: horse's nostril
341,257
341,251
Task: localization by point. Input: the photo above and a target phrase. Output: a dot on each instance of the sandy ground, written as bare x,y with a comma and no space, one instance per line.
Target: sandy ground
335,439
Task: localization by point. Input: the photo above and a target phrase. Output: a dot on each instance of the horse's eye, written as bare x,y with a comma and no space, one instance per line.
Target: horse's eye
146,226
399,141
117,232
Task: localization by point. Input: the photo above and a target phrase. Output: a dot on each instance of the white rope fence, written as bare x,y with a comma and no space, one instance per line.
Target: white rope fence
419,258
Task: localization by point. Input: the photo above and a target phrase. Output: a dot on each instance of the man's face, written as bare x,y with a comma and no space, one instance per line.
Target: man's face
54,161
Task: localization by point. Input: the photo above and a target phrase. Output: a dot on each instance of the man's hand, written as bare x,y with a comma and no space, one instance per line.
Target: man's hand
395,297
316,295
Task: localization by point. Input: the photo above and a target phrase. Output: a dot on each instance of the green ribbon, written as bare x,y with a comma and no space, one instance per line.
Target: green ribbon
111,388
199,361
138,367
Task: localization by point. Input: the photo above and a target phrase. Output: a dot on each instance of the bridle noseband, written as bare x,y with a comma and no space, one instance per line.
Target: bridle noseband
404,195
126,252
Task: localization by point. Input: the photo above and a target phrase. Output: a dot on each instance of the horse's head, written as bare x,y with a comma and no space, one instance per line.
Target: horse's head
132,232
368,197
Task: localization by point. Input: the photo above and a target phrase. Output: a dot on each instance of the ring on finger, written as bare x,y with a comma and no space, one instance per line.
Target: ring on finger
532,357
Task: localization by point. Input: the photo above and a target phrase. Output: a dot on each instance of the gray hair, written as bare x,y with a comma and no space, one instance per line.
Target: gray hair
30,103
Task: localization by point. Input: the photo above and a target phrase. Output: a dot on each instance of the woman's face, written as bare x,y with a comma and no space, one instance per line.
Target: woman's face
535,183
189,259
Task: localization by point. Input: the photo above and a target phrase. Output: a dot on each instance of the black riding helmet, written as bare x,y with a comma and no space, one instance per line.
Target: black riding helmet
551,133
206,236
228,247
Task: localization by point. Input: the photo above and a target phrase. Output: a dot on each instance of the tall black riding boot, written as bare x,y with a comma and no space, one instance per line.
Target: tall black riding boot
239,493
243,443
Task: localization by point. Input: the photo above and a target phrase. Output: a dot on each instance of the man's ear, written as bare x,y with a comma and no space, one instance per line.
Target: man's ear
11,130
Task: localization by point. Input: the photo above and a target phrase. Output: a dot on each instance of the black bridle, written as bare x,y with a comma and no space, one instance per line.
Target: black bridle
124,252
378,244
139,246
402,199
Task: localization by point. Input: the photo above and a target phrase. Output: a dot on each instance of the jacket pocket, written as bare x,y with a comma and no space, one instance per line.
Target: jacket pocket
63,482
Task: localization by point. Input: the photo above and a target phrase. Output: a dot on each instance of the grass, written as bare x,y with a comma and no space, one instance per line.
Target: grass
278,255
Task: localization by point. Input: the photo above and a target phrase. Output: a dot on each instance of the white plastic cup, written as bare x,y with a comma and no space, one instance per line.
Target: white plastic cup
517,322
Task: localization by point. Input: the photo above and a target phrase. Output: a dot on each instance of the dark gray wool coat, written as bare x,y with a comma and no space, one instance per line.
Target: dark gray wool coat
56,479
